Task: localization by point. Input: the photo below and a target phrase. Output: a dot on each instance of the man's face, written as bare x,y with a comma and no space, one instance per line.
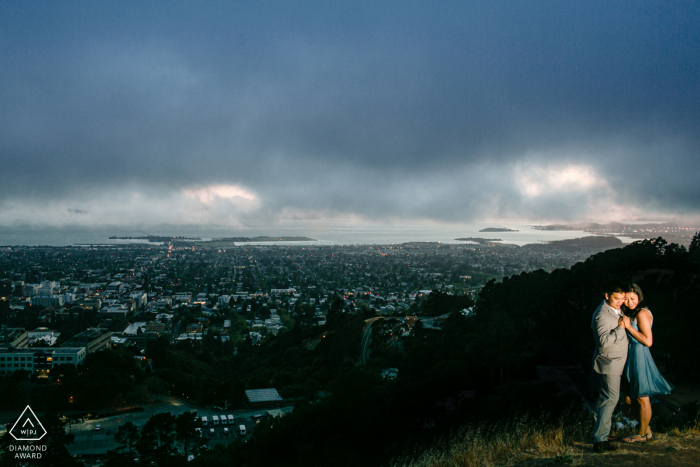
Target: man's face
615,300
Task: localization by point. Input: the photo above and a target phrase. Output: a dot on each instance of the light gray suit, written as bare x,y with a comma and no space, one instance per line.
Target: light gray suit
609,360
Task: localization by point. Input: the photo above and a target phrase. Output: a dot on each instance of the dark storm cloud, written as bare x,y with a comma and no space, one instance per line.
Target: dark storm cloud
398,110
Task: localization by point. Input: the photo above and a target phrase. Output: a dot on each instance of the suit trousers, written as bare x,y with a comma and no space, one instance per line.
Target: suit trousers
608,397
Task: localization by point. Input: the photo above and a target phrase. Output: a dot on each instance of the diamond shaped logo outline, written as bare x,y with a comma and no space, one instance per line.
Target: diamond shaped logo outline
22,417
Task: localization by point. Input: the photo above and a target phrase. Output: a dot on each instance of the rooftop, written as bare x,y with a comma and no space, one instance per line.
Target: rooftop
89,335
54,350
263,395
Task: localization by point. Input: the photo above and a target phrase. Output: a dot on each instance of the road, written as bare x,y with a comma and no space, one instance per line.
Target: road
364,344
89,441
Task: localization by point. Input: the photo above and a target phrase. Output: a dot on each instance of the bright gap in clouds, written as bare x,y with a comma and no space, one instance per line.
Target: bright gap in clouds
536,180
210,194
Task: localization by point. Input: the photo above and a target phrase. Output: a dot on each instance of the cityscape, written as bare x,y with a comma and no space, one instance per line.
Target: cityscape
338,234
64,307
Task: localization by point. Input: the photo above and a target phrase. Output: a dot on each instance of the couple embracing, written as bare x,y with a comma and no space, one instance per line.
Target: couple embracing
622,331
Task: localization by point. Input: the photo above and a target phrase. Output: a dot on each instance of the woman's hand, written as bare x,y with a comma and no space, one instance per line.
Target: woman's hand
621,322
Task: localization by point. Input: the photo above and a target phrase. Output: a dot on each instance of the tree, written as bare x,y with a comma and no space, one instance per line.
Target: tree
56,440
694,248
157,441
185,425
127,436
439,303
386,333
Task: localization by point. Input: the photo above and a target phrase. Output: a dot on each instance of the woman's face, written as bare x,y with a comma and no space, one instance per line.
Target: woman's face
631,300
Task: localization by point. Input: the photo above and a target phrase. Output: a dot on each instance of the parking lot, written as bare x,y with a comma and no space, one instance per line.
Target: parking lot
88,440
92,442
219,432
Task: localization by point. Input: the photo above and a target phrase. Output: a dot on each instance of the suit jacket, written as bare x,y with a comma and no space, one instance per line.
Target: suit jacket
611,342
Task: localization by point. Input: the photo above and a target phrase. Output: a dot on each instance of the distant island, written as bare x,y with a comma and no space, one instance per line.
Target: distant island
497,229
479,240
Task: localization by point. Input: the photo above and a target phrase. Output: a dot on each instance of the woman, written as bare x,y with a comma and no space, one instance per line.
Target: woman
644,378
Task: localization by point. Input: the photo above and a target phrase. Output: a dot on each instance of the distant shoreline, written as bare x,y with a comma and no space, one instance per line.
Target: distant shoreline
263,239
672,233
498,229
478,240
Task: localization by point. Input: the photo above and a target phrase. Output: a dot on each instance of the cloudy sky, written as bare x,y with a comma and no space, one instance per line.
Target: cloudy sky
239,113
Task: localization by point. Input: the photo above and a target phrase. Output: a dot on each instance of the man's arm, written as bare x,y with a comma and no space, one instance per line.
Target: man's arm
607,331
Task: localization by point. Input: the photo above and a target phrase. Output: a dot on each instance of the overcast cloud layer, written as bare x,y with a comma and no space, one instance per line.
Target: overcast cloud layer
223,114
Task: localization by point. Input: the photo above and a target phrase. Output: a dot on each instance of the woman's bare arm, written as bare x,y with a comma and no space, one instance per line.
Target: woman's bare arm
644,323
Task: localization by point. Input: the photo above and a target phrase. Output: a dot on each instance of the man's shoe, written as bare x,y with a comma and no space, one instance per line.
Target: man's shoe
604,446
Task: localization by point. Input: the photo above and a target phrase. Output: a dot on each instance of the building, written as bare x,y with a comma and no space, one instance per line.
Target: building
263,397
135,328
47,300
39,360
93,339
116,287
140,299
30,290
155,326
5,288
223,300
43,334
184,298
13,337
116,310
163,302
90,303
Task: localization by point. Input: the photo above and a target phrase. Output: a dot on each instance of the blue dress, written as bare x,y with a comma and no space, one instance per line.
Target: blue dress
645,379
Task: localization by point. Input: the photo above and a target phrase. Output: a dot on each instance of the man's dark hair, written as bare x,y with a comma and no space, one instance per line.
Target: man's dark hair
613,286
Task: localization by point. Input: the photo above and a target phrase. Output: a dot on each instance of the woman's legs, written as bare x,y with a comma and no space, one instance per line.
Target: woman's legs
644,415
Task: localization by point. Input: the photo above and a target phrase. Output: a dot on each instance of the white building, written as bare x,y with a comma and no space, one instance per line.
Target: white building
39,359
133,328
140,299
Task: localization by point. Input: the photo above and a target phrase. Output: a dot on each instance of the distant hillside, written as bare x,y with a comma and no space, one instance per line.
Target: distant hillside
596,226
593,242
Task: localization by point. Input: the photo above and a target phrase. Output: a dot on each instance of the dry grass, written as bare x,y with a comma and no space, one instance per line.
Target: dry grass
566,440
504,442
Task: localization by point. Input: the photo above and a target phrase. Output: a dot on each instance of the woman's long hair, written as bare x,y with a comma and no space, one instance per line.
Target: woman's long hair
634,288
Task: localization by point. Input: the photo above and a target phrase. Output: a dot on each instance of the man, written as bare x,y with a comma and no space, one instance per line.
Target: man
609,360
